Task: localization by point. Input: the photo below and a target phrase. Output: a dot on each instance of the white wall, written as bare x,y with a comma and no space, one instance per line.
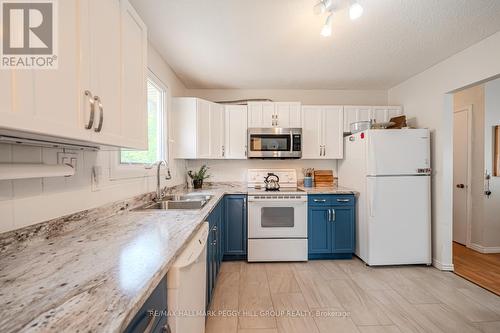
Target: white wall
236,170
312,97
424,96
29,201
491,221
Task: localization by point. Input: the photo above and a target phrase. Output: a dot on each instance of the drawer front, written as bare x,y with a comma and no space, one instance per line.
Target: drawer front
343,200
320,200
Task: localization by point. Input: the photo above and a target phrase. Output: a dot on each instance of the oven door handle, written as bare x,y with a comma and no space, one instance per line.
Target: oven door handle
285,201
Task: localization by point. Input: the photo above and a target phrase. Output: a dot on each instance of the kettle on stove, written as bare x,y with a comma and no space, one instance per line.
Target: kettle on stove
272,182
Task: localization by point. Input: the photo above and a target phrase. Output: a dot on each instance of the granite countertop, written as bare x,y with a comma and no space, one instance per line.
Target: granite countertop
89,273
327,190
92,271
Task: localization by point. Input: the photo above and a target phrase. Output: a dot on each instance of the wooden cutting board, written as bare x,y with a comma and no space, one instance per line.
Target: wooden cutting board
323,178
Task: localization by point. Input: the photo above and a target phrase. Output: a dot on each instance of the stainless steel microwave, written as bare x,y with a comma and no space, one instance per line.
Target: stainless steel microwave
277,143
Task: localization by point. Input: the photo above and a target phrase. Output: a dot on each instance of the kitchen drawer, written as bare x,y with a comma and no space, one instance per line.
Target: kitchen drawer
320,200
156,302
343,200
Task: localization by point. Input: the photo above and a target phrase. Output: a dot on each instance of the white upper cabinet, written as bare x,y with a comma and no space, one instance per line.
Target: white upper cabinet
98,92
235,146
270,114
322,132
198,128
49,101
216,132
379,114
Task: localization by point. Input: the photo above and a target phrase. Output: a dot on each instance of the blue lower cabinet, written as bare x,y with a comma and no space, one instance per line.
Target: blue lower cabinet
146,318
331,226
215,246
319,230
235,231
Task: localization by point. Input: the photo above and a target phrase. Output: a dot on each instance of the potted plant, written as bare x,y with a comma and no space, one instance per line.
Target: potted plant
199,176
308,174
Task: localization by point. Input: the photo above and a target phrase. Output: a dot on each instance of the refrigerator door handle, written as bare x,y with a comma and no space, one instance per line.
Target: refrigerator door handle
371,196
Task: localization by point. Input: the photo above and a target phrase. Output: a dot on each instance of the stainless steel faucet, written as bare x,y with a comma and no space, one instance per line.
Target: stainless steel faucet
159,192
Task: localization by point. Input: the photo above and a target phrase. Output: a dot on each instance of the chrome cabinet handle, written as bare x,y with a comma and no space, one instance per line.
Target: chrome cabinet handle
319,200
92,109
324,150
246,151
97,99
343,200
333,215
329,215
223,151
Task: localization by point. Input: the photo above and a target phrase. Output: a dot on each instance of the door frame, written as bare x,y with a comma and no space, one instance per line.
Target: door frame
468,224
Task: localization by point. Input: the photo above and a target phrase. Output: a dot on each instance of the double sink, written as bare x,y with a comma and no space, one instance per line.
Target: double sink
188,201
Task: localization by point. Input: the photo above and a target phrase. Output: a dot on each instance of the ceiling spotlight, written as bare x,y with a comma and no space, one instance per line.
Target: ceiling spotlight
327,28
355,11
322,6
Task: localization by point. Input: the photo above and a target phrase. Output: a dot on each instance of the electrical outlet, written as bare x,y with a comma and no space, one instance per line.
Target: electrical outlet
67,158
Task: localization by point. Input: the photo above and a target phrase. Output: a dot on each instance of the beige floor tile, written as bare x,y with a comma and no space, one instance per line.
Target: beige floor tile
379,329
255,298
231,266
226,292
465,306
315,292
363,308
446,319
331,270
221,325
370,280
404,315
327,324
489,327
281,279
293,314
258,330
483,297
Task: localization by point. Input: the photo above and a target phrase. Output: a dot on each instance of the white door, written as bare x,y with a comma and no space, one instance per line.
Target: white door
295,118
203,128
397,152
383,114
134,79
216,130
106,68
282,115
461,162
354,114
312,117
399,223
50,101
333,142
236,132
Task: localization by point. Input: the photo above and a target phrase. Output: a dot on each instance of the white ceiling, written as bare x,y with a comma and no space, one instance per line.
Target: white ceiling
275,44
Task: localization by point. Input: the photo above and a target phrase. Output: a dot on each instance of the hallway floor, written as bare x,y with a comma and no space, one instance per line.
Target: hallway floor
347,296
480,268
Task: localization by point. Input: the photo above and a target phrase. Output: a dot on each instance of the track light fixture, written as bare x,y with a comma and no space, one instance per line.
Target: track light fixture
326,6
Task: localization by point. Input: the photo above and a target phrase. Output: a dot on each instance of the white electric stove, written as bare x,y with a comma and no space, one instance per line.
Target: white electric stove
277,220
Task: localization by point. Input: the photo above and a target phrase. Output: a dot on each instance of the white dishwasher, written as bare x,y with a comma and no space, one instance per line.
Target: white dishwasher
186,283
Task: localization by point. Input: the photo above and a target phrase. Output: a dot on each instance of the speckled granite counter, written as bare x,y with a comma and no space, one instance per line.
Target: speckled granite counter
92,271
327,190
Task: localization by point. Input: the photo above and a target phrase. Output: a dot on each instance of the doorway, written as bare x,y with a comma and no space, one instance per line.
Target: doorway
476,193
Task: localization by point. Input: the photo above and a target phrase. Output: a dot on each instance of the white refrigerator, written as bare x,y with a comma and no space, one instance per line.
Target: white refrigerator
391,171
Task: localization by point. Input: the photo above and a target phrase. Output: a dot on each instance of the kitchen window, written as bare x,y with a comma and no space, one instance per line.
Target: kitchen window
138,163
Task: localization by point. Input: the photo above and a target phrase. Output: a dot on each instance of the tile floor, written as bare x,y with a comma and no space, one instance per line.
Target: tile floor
347,296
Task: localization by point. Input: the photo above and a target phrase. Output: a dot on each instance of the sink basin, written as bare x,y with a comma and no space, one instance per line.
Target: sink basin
178,202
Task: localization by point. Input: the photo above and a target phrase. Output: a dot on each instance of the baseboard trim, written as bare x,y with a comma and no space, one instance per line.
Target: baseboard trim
442,267
485,249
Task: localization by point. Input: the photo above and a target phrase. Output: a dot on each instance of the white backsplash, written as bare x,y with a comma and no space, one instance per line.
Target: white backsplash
236,170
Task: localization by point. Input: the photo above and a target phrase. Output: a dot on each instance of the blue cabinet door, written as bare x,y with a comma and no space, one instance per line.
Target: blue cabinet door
343,229
319,230
235,231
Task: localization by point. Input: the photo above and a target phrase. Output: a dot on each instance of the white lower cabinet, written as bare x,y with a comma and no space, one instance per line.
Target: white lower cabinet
322,132
235,146
101,67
